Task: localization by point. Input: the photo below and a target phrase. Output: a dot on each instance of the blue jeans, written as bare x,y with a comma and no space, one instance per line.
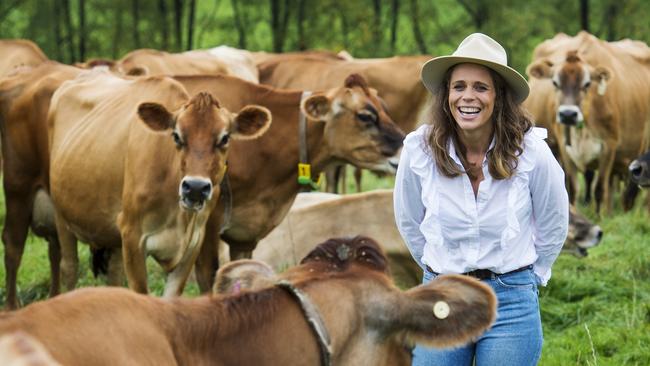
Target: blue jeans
514,339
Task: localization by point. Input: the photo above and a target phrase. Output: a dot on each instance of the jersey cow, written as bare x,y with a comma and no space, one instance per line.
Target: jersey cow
218,60
603,86
316,216
338,307
139,163
24,102
397,80
343,124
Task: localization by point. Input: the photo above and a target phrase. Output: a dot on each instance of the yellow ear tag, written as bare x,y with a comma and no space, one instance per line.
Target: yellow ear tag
441,310
304,173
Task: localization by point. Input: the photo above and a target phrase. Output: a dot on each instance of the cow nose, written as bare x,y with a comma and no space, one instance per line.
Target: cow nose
196,190
599,235
568,116
636,168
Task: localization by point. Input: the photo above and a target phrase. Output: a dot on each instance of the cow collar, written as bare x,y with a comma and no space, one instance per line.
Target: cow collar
315,321
304,168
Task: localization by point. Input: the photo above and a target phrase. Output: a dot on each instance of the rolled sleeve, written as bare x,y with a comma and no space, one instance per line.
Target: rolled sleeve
409,209
550,211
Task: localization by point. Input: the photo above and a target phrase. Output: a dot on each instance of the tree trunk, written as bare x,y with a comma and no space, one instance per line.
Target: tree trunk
82,30
162,12
118,31
584,15
376,29
69,31
58,37
302,43
190,24
393,25
415,16
344,26
239,23
279,21
480,13
178,20
135,9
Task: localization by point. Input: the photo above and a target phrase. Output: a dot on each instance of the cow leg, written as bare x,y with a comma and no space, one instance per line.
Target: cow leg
629,196
178,276
357,178
133,256
332,178
54,253
14,234
115,268
605,173
589,179
69,255
207,263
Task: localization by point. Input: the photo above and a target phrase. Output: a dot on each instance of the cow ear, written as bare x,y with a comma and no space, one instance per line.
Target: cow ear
449,311
245,274
155,116
601,73
541,69
251,122
137,71
317,107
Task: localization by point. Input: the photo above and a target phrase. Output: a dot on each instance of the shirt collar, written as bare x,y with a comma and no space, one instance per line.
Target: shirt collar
454,154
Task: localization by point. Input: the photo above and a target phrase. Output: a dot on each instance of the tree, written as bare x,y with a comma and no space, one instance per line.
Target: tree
415,22
393,25
190,24
279,21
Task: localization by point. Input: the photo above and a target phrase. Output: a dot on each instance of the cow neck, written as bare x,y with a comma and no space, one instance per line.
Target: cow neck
314,319
304,168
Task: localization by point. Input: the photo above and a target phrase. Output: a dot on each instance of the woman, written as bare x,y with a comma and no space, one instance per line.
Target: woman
478,192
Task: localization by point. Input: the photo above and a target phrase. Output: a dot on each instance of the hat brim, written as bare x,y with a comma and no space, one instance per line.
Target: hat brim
434,71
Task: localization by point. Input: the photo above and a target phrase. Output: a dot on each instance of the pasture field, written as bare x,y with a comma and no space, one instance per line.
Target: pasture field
595,311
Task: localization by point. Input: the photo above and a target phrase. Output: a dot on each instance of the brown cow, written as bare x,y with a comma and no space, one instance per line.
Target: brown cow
346,124
316,216
604,86
154,62
397,80
338,307
136,165
15,53
24,102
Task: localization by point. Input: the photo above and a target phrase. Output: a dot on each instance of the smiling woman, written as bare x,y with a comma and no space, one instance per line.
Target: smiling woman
478,192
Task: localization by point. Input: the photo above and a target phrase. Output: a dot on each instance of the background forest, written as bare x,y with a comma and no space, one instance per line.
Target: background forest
75,30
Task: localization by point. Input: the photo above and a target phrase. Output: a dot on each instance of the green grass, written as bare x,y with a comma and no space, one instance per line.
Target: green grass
595,311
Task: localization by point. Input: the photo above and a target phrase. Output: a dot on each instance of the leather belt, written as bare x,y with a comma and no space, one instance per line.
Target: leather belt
483,274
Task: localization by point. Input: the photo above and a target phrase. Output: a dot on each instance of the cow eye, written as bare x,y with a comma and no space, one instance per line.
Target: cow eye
555,84
367,117
587,85
177,140
223,141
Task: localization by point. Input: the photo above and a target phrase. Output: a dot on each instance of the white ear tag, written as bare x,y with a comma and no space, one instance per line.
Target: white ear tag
441,310
602,86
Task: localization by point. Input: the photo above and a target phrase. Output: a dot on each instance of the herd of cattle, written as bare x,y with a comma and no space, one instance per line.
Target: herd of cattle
186,157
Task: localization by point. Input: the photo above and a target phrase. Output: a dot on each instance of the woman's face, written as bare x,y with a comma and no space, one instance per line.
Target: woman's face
471,98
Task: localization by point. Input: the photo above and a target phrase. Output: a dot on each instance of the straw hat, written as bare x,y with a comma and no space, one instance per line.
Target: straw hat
479,49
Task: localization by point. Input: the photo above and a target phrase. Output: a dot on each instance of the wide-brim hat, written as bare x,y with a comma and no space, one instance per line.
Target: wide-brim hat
480,49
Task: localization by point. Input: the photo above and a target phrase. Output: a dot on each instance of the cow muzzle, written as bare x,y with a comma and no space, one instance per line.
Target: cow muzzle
569,115
194,192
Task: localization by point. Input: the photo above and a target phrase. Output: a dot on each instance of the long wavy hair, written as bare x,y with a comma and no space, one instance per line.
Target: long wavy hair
510,120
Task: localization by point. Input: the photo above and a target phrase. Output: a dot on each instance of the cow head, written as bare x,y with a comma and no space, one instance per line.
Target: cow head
583,234
640,170
358,129
576,83
366,317
201,130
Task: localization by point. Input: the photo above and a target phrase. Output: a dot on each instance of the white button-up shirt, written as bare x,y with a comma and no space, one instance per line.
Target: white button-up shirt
511,223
